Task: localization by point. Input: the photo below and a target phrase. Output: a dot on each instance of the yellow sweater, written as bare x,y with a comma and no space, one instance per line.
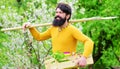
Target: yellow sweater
65,40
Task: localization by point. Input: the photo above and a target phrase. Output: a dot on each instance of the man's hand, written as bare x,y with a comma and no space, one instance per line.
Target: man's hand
82,61
26,25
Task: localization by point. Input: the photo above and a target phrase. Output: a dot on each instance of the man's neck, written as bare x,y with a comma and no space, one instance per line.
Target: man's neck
64,25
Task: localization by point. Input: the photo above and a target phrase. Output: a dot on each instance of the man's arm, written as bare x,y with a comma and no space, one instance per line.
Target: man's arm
88,46
36,34
88,43
40,36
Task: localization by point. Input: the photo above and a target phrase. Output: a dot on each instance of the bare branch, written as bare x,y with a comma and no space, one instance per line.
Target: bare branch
71,21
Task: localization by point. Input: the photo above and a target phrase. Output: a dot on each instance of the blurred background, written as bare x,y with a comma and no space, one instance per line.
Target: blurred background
18,50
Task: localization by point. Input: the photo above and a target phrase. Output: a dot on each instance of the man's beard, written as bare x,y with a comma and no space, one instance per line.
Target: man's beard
58,22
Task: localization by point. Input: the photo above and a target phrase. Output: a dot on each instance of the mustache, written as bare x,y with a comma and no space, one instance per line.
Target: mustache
58,17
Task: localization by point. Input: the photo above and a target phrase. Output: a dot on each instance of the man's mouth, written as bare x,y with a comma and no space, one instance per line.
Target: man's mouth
58,18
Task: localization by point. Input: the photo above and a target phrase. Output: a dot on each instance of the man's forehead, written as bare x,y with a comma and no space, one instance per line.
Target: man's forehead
58,9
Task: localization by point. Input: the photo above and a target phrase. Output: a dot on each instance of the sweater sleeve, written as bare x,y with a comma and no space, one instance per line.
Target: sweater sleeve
88,43
40,36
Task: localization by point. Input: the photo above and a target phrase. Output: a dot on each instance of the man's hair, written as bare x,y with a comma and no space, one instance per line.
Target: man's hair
65,8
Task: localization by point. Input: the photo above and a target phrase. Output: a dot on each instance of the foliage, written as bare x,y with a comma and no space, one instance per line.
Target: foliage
58,56
14,48
104,33
3,58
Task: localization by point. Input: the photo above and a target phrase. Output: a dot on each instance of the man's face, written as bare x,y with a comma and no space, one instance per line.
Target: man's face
60,18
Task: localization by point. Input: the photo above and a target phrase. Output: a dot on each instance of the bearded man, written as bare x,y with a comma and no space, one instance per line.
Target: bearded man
64,36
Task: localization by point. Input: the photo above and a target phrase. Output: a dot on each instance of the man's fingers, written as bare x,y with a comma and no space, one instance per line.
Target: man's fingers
26,25
82,62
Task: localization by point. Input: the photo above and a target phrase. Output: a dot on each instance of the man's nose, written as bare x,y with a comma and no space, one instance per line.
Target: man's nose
57,14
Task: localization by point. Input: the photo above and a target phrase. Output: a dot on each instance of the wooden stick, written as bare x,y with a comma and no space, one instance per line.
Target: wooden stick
71,21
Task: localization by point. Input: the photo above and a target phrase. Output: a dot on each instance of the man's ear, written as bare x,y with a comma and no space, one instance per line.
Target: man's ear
68,16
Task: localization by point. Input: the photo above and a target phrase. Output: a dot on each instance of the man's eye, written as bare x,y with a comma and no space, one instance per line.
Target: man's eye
61,12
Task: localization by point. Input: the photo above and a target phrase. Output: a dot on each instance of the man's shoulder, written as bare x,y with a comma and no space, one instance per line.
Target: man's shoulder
72,26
